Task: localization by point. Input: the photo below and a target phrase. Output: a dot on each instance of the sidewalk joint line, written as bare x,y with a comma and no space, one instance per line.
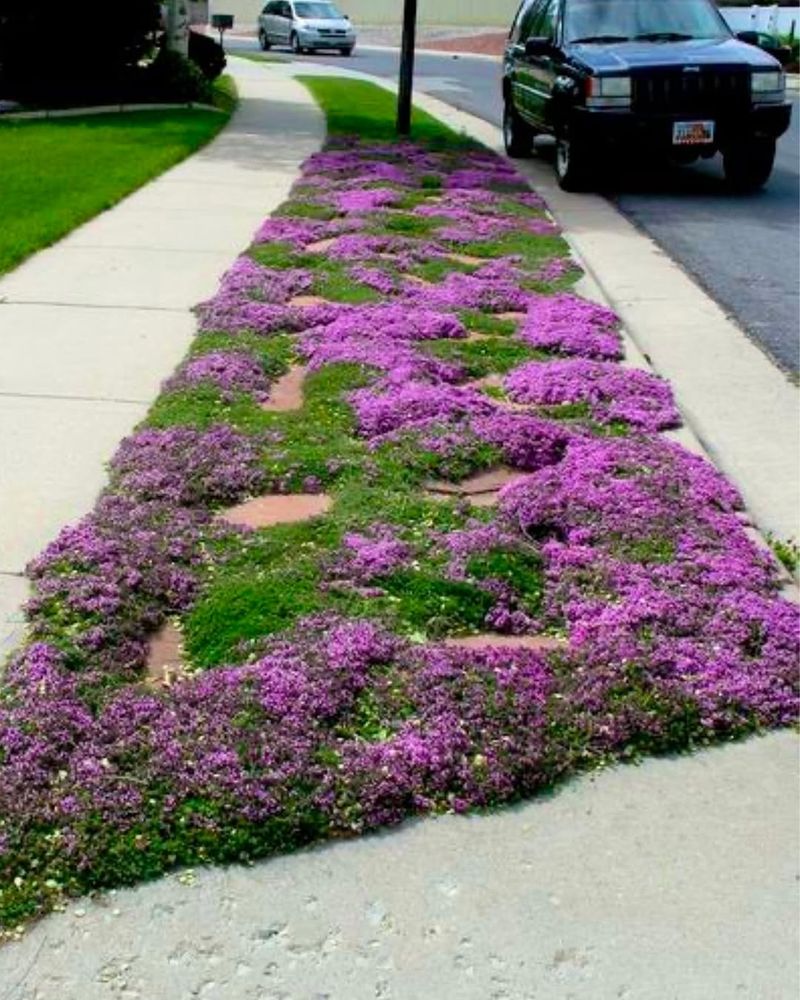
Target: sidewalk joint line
93,305
74,399
129,247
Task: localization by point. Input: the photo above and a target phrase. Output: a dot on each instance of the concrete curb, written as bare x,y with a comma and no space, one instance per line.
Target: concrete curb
433,52
103,109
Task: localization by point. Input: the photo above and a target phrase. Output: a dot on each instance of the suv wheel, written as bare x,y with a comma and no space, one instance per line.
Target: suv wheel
263,41
294,41
346,52
748,163
571,165
517,134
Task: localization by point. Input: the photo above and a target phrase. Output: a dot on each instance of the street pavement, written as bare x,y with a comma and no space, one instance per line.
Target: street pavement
743,249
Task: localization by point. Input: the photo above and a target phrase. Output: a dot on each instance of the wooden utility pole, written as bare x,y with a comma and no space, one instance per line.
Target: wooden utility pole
407,68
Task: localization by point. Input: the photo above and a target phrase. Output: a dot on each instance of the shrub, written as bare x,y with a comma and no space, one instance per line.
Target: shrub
54,54
208,55
173,77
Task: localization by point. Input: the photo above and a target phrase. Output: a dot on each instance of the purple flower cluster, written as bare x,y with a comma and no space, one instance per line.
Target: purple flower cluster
556,269
231,372
361,200
566,324
613,393
187,467
109,580
485,292
382,337
648,565
415,404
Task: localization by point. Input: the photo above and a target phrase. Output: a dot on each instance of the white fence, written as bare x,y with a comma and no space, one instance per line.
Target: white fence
774,20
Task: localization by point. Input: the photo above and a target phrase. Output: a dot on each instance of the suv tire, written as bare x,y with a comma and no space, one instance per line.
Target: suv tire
517,134
748,163
263,41
294,42
571,163
347,51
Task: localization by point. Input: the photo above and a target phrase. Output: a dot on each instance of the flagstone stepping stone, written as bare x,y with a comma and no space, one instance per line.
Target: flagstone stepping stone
493,381
463,258
488,640
277,508
287,393
484,499
481,490
515,317
308,300
165,656
320,246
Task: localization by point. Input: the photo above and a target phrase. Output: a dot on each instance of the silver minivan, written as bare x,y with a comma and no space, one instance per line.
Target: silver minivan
305,25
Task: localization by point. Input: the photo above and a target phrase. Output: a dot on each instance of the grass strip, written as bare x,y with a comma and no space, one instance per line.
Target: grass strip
356,107
47,190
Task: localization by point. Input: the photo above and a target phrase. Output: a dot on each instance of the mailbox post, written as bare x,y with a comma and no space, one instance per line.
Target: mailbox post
222,23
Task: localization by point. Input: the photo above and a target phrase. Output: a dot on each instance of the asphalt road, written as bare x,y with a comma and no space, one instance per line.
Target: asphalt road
744,249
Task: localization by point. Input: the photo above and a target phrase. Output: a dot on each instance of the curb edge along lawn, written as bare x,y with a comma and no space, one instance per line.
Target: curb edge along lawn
509,577
47,191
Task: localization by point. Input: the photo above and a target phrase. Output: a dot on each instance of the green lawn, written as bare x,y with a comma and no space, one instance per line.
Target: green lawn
356,107
59,173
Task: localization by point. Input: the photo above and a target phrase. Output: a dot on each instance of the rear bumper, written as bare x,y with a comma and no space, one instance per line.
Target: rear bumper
602,127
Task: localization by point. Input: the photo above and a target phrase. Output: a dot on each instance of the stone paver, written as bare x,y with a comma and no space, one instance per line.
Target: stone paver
165,654
278,508
674,880
286,393
490,640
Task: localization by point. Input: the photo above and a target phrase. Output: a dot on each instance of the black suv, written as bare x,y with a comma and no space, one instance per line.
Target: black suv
623,77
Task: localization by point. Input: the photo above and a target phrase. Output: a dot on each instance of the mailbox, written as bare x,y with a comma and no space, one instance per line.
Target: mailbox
222,22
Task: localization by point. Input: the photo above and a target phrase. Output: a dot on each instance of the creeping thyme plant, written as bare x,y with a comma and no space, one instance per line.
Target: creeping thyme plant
426,293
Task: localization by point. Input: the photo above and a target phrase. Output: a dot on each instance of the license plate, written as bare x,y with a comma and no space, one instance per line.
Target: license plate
692,133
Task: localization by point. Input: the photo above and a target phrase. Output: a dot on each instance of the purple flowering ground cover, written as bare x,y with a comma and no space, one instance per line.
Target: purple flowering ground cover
426,291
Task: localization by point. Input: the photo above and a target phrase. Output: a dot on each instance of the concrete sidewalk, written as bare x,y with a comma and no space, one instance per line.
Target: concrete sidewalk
90,327
674,880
